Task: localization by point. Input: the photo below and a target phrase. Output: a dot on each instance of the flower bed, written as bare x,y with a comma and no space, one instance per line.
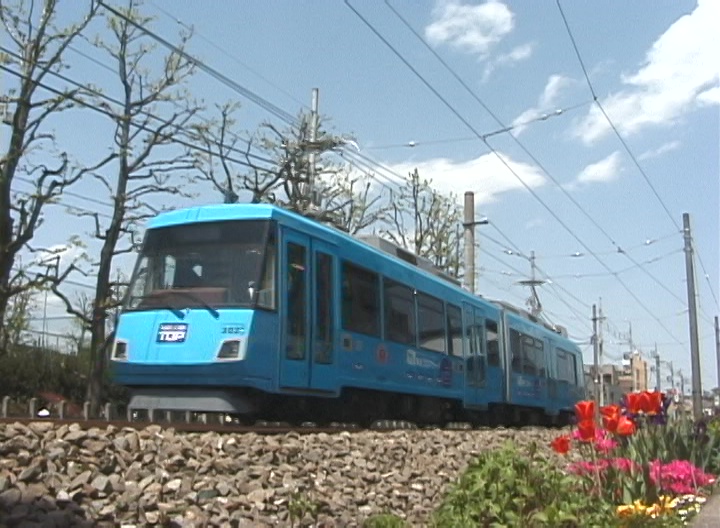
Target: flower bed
649,467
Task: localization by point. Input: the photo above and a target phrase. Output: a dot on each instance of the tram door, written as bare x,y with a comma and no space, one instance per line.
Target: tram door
475,357
307,313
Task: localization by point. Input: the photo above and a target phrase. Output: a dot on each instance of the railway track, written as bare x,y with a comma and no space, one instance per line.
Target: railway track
260,427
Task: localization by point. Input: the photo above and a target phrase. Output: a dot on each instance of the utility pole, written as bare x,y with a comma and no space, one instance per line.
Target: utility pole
469,224
692,314
534,300
657,369
632,358
717,348
600,353
596,354
672,376
314,124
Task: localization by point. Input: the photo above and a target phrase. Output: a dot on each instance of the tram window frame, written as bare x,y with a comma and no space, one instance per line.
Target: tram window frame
393,327
493,352
454,330
431,310
568,372
515,351
324,307
360,305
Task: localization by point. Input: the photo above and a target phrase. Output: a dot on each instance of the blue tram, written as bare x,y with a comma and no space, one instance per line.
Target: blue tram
253,310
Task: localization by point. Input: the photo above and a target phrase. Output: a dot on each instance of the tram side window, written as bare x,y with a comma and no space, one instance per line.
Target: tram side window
516,351
454,326
528,355
360,300
493,345
399,312
324,308
431,323
566,366
540,358
297,301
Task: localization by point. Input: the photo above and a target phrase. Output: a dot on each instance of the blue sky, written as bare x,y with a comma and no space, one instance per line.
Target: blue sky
615,198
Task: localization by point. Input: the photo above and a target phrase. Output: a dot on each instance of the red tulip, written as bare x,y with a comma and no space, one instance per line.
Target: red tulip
561,444
654,402
611,422
634,403
585,410
626,426
610,410
586,428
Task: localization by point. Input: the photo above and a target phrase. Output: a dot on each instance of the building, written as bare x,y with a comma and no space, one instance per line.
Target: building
612,392
635,374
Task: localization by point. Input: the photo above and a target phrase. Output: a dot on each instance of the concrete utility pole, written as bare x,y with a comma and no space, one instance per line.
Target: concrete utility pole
596,354
717,348
657,369
469,224
534,300
692,314
600,353
314,124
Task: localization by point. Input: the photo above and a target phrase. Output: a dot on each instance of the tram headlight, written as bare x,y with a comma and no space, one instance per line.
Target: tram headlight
120,351
232,349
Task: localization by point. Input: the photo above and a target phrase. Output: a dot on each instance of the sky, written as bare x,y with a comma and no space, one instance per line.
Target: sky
585,146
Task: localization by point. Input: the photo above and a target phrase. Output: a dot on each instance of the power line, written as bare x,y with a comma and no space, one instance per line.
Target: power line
113,116
509,128
237,87
227,54
502,159
97,93
534,159
623,142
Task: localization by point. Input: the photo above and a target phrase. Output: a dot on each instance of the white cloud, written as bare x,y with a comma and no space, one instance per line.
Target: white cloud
470,28
517,54
62,254
605,170
486,176
662,149
710,97
680,72
547,102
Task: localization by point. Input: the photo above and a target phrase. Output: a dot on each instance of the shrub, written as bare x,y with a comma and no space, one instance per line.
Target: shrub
505,488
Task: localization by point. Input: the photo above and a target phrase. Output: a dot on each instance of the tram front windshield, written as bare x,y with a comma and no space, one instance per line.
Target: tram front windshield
210,265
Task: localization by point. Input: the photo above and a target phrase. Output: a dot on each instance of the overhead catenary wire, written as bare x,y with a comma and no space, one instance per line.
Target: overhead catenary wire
509,128
502,159
532,157
624,144
232,57
112,115
234,85
148,114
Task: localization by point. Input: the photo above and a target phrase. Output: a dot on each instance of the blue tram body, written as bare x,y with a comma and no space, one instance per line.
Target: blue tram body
249,308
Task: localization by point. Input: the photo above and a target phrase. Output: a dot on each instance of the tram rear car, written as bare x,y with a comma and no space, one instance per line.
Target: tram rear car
252,309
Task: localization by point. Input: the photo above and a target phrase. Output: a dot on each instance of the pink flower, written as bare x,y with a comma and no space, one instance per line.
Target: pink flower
679,476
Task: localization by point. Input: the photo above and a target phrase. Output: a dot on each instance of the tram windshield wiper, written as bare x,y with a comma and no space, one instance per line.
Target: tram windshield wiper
197,299
166,306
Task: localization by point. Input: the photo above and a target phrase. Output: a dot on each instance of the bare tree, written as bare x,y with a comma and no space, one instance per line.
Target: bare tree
426,222
17,319
273,167
32,52
150,162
